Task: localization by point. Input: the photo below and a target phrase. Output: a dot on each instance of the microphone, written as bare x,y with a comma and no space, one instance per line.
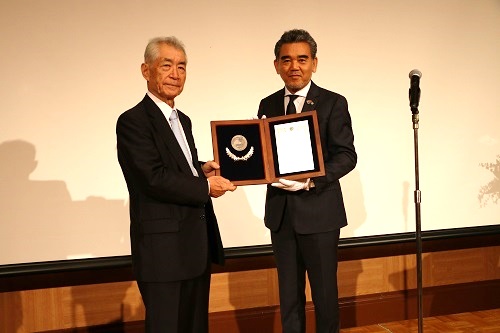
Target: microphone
414,92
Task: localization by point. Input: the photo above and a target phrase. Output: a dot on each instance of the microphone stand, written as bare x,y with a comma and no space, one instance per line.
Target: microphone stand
417,198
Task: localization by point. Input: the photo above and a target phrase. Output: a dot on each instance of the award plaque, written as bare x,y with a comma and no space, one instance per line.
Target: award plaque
261,151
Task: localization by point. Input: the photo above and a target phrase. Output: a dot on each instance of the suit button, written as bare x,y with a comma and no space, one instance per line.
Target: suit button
202,216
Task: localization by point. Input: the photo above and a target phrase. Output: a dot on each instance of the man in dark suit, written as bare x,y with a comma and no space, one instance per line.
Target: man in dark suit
305,216
173,229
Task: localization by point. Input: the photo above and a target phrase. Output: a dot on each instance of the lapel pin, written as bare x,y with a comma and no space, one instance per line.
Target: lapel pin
309,102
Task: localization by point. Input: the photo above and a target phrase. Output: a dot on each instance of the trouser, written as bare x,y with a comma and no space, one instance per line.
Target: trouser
177,307
317,254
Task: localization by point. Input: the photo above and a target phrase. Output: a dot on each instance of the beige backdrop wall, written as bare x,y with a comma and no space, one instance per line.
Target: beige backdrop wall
69,68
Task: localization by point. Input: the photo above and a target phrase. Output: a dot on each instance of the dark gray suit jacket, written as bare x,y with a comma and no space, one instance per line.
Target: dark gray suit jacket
172,222
321,208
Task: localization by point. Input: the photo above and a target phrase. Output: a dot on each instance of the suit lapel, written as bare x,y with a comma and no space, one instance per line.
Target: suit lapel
164,132
277,106
312,98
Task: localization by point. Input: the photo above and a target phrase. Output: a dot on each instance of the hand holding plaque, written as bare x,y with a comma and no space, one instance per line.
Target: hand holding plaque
260,151
292,185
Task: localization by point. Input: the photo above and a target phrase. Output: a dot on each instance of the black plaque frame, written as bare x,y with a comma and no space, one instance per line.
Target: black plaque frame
258,162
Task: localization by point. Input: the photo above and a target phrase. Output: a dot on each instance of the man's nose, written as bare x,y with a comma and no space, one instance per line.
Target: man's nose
174,73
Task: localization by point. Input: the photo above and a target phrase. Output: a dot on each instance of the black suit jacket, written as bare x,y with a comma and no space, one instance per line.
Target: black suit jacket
321,208
172,222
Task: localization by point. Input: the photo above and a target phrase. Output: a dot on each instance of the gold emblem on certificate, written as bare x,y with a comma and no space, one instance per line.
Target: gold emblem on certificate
239,143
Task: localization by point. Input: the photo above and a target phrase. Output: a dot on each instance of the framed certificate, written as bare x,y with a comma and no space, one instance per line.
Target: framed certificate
260,151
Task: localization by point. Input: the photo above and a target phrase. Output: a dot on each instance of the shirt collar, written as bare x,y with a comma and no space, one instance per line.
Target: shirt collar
302,92
164,107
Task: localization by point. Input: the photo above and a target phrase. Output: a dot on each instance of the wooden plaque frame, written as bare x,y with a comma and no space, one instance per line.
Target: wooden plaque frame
256,161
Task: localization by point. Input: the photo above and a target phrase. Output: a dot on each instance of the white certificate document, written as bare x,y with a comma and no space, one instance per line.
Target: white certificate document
294,148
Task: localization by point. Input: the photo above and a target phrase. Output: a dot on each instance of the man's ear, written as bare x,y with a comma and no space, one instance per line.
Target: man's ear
276,66
315,64
145,71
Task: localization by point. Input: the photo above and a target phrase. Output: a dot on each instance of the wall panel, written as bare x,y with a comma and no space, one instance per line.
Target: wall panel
119,302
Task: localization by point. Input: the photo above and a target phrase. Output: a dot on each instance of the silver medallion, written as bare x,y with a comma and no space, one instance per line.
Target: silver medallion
239,142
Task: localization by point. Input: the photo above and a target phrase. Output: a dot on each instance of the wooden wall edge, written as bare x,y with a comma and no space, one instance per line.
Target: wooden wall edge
117,269
355,311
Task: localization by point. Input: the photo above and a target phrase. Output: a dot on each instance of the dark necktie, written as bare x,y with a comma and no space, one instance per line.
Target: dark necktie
290,108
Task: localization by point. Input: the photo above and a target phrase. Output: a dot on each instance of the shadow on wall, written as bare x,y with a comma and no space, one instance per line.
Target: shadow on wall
244,291
42,214
349,271
120,302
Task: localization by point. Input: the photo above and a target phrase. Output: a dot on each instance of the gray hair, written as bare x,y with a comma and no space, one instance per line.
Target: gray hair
153,48
296,36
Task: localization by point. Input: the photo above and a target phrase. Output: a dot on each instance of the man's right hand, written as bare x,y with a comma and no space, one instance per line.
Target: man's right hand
220,185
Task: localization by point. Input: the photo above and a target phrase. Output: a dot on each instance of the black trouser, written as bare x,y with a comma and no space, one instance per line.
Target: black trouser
177,307
317,254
